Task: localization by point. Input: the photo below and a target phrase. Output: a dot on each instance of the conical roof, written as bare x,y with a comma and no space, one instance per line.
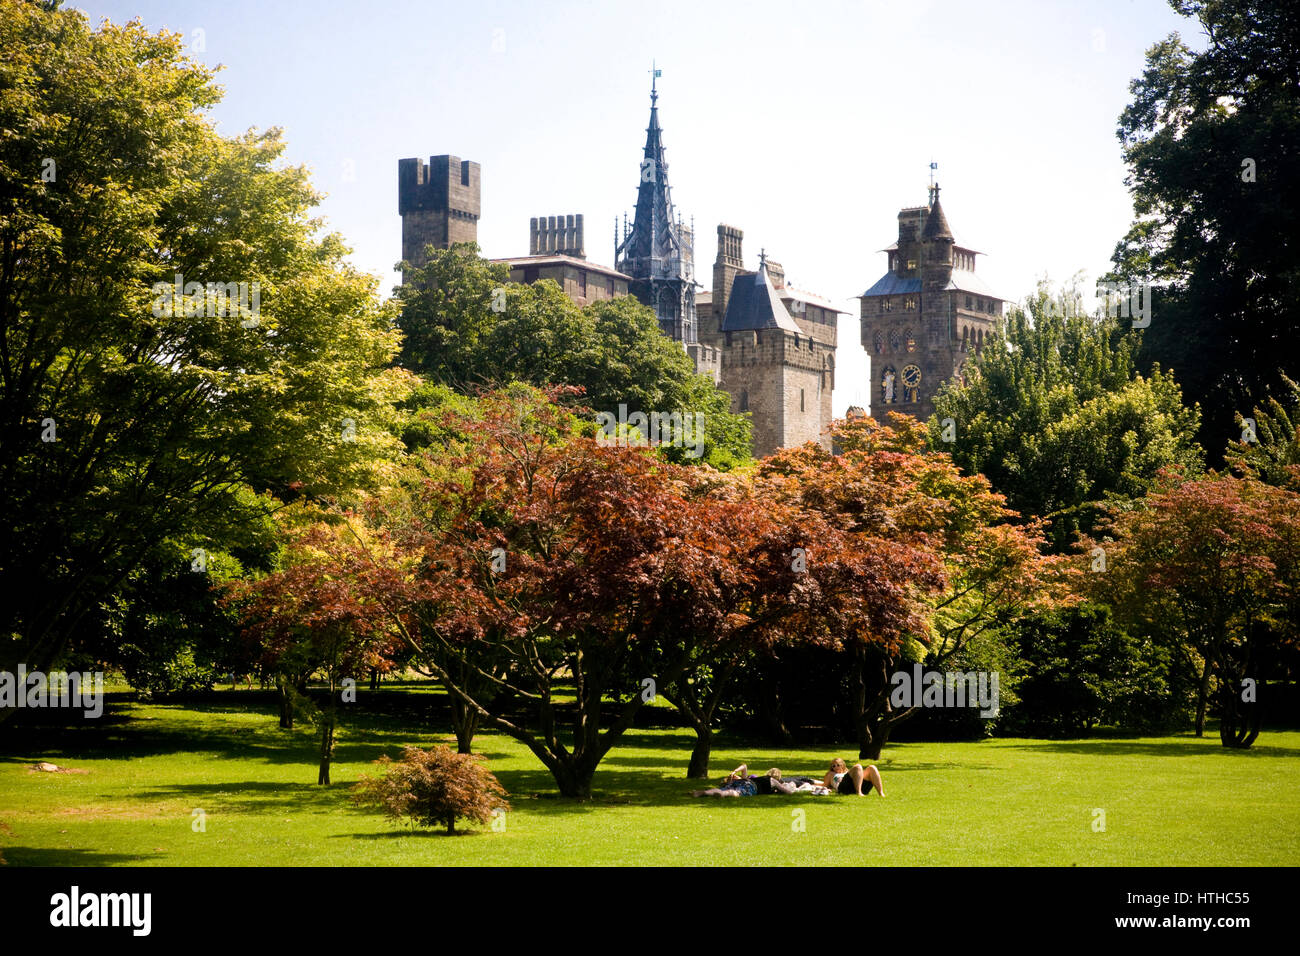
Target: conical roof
936,223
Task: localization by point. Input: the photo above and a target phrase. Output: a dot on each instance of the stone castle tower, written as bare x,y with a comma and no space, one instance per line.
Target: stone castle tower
439,202
777,347
925,315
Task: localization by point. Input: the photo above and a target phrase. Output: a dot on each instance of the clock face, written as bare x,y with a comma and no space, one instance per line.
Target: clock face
911,376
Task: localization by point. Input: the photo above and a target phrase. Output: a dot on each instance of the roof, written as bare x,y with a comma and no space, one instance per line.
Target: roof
890,284
561,260
936,224
789,292
754,304
962,280
970,282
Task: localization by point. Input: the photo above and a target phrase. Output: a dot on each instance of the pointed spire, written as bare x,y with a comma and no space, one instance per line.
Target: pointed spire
936,224
655,252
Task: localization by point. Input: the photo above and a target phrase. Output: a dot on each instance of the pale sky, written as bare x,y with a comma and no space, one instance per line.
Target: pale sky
807,125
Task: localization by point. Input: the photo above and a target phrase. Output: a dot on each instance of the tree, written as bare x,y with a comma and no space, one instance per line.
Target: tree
1210,567
1054,414
310,617
1212,142
433,787
951,560
1269,446
135,416
564,554
468,328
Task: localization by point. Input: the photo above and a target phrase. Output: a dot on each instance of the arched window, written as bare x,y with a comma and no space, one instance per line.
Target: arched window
878,341
909,340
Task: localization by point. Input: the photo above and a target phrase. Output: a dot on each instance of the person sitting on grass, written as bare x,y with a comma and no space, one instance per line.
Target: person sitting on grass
850,780
740,783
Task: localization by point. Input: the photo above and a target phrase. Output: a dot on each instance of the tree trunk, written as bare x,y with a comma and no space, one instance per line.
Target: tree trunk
1202,696
451,824
374,678
327,741
699,768
286,703
464,723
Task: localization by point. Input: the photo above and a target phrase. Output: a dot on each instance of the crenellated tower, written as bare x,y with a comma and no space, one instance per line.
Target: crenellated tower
439,202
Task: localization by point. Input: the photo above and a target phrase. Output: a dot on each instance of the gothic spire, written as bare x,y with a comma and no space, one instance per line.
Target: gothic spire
654,253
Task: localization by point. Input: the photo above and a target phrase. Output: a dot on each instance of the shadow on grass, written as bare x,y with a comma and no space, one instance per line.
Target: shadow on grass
419,833
53,856
1169,747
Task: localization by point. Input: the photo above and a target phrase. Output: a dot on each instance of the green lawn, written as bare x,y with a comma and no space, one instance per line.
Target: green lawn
1167,801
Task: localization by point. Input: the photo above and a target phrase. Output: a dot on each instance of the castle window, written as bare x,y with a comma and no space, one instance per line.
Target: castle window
887,304
969,302
910,302
911,264
582,283
744,400
909,341
979,305
893,340
878,341
801,404
609,287
464,174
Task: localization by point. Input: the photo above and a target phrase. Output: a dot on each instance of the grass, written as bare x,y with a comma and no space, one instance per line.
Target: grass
1168,801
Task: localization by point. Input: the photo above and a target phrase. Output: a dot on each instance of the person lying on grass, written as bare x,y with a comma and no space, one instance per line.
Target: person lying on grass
741,783
850,780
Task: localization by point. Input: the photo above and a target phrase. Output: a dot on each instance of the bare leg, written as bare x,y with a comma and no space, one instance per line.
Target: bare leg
715,792
872,774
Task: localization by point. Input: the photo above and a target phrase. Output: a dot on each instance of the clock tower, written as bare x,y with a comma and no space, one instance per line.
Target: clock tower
923,318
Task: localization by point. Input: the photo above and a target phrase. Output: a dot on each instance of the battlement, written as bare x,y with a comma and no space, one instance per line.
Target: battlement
775,347
730,240
439,202
556,235
445,184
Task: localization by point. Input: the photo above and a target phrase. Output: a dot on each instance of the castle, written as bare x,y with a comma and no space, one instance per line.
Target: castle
926,314
770,346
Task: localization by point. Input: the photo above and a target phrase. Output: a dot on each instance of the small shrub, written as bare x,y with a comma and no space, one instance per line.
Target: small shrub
433,787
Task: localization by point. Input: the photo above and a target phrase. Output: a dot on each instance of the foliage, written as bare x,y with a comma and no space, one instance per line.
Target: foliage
1212,142
951,560
1210,567
129,416
1056,418
433,787
1085,671
1272,453
311,616
468,328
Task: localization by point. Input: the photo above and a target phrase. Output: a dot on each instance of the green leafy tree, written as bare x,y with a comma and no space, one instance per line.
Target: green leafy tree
467,328
133,413
1269,446
1212,142
1055,415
